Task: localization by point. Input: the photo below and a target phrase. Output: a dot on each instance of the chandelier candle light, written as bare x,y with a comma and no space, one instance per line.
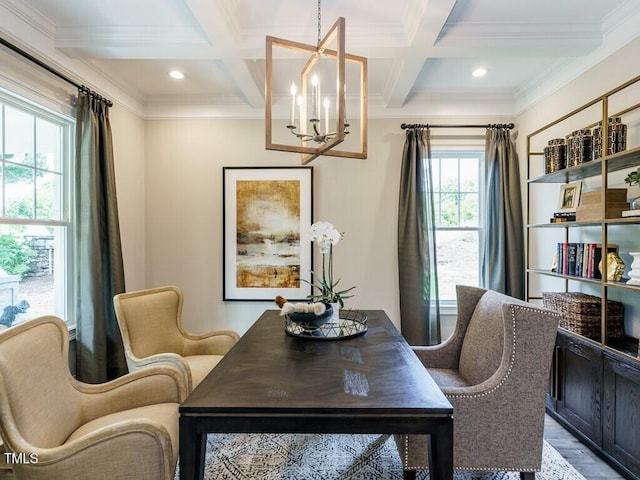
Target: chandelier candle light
316,126
316,114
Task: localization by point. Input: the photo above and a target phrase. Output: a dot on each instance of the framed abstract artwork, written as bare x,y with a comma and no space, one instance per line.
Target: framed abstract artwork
267,214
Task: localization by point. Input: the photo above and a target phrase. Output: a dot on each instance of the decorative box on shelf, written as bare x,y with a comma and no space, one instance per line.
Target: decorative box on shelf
555,155
614,195
617,133
589,213
590,207
581,313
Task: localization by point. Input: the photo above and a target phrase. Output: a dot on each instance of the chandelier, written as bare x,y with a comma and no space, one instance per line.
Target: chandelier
316,102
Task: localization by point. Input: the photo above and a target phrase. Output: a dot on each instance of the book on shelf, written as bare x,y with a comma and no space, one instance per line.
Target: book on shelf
581,259
571,258
631,213
563,217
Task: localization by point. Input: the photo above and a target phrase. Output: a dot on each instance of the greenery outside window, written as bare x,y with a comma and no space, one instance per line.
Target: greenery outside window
36,148
456,179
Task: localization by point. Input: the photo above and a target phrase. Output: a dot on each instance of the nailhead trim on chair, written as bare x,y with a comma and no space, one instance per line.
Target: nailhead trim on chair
406,456
511,362
491,469
500,469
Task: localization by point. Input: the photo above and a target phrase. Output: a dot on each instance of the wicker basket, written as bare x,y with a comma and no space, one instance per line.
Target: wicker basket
581,313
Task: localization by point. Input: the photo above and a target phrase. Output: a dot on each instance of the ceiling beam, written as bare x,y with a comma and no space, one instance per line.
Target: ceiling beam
406,69
219,22
246,76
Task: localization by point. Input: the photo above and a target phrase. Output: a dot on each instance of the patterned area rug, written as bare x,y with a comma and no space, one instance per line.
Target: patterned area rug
334,457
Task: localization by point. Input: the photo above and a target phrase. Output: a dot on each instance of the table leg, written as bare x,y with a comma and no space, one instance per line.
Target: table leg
192,450
409,475
440,446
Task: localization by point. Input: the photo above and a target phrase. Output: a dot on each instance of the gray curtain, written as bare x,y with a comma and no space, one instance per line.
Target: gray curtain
502,252
418,276
99,267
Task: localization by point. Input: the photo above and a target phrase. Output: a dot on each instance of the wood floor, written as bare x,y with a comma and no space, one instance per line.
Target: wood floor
584,460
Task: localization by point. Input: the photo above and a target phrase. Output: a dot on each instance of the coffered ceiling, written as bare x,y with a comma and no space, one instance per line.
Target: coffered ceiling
421,52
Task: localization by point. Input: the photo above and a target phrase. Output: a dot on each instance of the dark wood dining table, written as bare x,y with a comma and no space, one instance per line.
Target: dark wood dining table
273,382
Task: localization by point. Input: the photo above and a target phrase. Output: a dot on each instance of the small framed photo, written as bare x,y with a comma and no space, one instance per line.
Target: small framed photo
267,215
570,196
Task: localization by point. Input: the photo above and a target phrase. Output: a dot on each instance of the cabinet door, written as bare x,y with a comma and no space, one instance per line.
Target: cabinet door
553,388
621,412
580,390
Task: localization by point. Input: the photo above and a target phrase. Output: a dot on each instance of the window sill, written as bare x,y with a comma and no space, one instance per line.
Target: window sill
448,308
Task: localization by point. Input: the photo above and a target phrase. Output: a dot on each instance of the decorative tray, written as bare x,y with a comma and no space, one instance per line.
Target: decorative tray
351,324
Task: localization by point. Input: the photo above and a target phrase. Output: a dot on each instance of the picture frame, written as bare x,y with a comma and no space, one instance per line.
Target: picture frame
267,249
569,196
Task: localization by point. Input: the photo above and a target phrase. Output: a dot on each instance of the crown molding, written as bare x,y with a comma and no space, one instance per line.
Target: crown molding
616,38
72,37
29,31
28,16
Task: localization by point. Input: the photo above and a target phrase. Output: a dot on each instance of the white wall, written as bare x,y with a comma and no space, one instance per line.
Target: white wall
129,157
184,215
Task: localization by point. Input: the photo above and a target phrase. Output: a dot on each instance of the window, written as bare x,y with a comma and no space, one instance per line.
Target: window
457,198
35,211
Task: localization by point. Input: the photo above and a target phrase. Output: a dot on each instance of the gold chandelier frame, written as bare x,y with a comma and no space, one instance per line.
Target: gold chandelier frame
329,140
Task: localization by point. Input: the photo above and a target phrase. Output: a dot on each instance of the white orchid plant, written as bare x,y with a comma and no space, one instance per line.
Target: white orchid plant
325,235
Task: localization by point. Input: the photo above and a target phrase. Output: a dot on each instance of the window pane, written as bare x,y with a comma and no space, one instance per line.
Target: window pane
449,209
48,196
435,174
30,285
469,209
19,191
1,131
19,136
469,172
449,175
2,212
48,145
457,256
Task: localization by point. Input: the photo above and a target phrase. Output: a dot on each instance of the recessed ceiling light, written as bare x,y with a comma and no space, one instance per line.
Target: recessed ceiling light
178,75
479,72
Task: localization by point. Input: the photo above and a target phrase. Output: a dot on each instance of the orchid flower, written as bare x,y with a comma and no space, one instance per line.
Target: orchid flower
325,235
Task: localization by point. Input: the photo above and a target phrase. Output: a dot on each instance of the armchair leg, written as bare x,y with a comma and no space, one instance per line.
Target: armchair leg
409,474
527,475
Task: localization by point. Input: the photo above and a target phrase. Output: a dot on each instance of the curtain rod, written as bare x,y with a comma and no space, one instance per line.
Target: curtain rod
509,126
50,69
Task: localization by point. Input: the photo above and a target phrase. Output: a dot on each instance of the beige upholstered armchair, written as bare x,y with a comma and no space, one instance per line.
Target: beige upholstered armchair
61,429
494,370
151,326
